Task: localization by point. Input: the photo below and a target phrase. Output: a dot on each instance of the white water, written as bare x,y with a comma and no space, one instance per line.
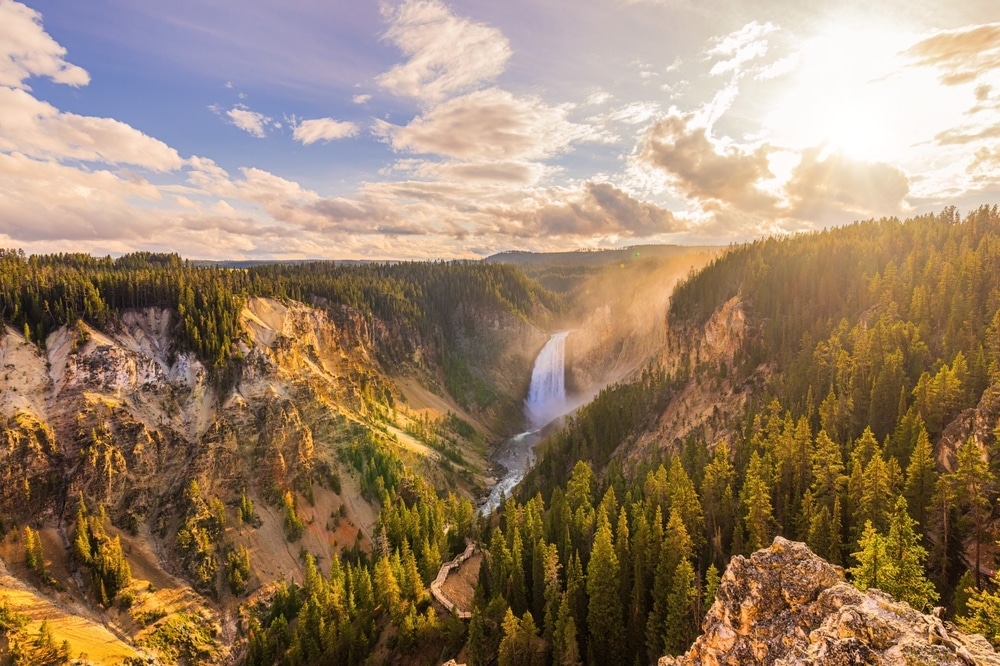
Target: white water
546,401
547,393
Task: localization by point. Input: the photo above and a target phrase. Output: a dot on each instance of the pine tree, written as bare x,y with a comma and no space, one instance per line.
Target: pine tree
34,558
604,614
712,580
684,499
973,483
755,496
871,570
520,645
905,579
681,623
982,615
717,499
565,645
921,476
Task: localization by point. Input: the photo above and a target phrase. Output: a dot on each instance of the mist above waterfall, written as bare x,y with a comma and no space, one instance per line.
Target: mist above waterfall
547,393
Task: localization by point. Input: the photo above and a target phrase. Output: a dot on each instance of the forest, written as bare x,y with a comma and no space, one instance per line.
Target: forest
42,292
866,425
867,344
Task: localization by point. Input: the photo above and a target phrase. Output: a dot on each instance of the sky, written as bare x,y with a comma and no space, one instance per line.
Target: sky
424,129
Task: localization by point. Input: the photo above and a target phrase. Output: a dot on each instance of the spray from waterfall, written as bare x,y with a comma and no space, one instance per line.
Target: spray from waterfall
547,393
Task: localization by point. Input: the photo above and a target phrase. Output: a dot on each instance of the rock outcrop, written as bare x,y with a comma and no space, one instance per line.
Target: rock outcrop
785,605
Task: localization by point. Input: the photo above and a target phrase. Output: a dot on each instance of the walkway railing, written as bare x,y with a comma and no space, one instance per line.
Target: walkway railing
444,572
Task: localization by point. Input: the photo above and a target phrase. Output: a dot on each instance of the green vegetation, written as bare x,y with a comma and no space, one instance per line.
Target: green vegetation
23,648
863,345
337,617
197,537
94,549
42,292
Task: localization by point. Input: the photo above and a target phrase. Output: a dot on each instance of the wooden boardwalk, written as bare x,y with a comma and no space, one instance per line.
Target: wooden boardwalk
446,569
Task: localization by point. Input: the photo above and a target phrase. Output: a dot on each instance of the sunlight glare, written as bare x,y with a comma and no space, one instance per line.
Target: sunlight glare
843,95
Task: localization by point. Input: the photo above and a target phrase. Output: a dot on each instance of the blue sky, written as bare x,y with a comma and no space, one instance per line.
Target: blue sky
429,129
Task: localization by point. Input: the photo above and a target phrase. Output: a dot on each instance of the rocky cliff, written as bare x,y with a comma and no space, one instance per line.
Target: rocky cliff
784,605
123,419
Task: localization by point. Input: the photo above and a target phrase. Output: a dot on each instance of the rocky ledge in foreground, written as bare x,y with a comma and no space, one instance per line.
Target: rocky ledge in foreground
785,605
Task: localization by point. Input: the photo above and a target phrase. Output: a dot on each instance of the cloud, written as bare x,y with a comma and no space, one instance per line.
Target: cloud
600,209
701,170
40,130
26,50
251,122
446,54
961,55
635,113
361,99
489,125
498,173
599,97
45,200
831,187
740,47
323,129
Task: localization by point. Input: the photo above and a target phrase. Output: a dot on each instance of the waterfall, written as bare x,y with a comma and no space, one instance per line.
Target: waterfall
547,394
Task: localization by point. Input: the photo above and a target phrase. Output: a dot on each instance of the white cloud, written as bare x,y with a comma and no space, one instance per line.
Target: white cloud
45,200
740,47
635,113
447,54
599,97
251,122
26,50
513,173
323,129
40,130
361,99
489,124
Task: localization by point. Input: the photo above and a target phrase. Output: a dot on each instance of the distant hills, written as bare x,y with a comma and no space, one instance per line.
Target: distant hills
596,257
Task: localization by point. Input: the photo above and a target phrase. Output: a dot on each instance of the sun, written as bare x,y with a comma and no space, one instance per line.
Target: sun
845,95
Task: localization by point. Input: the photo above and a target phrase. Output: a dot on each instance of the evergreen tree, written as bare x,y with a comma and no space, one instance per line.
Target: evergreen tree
982,615
973,486
718,501
604,614
921,476
755,497
565,645
681,620
871,558
520,645
905,579
712,580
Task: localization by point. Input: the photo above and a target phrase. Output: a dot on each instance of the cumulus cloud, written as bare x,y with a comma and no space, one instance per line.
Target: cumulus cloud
962,55
831,188
446,54
600,209
361,99
489,124
45,200
251,122
701,170
38,129
26,50
323,129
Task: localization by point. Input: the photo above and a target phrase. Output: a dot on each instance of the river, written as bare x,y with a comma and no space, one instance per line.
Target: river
546,401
